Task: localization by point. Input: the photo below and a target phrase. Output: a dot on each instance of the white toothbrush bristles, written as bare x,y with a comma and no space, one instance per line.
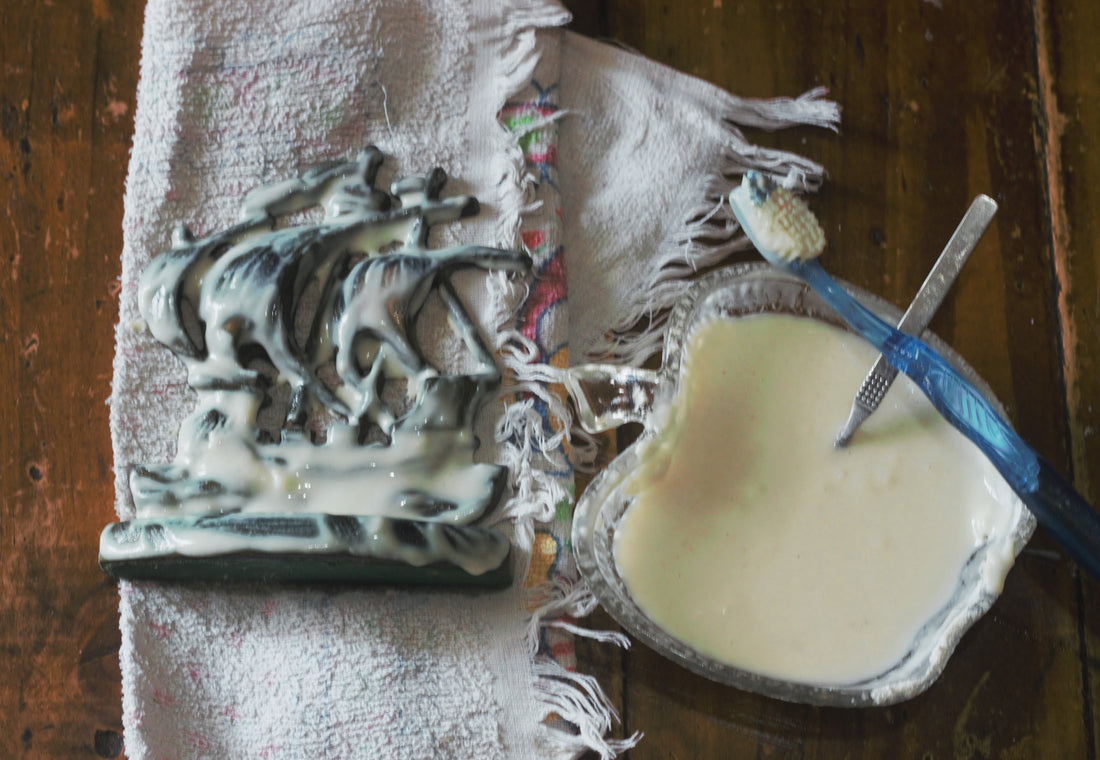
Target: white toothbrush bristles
781,222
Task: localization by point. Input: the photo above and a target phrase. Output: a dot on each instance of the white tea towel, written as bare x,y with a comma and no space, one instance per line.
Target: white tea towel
647,160
232,95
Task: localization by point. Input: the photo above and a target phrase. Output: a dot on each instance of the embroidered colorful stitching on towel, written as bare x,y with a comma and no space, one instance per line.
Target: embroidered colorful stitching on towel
543,313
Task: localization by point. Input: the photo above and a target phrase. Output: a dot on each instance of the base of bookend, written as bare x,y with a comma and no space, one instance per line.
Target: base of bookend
313,548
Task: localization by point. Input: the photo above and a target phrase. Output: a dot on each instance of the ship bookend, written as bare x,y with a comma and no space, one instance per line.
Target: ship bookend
324,445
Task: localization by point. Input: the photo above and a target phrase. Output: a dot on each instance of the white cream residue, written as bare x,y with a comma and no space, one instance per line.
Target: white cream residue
760,544
401,480
315,399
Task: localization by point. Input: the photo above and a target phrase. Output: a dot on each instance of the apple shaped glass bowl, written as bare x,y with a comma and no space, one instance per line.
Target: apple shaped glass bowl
608,396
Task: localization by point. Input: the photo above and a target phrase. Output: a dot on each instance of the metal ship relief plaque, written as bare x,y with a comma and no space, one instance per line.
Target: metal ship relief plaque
325,443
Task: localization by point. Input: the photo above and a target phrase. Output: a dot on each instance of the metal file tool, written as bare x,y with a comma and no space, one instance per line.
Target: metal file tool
928,299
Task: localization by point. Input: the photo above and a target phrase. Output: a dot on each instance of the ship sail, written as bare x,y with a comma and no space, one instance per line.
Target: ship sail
301,341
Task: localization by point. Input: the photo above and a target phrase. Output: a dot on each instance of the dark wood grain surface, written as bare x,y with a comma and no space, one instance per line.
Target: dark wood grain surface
66,118
942,100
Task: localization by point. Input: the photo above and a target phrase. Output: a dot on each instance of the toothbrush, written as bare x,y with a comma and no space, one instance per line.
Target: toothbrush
787,234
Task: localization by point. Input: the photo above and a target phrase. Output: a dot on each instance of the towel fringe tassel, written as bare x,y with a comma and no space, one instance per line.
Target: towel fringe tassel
576,712
579,700
709,233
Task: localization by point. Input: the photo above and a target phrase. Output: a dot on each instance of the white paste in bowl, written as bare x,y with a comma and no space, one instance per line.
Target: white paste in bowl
755,541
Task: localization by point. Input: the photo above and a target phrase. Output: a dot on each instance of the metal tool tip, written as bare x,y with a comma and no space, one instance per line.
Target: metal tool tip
855,419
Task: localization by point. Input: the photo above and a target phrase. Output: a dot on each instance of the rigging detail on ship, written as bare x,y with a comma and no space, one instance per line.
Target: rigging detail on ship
327,441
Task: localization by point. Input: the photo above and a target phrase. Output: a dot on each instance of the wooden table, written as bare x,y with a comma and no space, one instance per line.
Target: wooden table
940,103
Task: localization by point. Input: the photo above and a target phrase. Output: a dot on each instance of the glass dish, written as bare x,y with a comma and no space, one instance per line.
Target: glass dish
608,396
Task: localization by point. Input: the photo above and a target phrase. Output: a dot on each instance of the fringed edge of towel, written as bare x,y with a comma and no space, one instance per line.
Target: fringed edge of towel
576,698
575,711
521,26
708,232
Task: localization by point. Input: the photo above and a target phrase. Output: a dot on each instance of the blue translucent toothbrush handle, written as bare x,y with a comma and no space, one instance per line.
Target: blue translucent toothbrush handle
1070,519
966,408
1055,503
954,397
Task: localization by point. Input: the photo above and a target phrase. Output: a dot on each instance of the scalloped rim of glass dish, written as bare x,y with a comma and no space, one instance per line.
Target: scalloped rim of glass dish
737,291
